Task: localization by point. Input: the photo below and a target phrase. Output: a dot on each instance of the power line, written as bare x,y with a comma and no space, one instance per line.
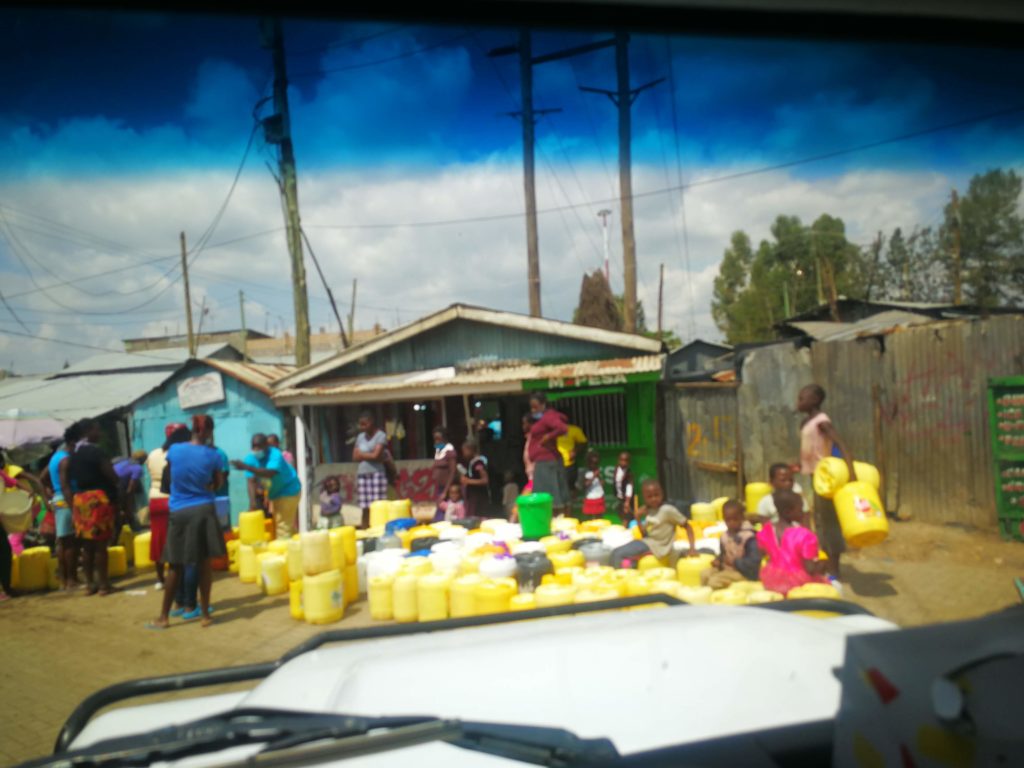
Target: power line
387,60
583,193
82,345
13,313
587,110
693,184
348,43
16,247
679,181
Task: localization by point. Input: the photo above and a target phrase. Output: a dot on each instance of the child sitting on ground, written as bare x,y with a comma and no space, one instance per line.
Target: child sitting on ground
740,559
657,521
781,478
593,488
330,501
792,549
453,507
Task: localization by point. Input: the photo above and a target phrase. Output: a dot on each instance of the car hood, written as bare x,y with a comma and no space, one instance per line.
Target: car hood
642,678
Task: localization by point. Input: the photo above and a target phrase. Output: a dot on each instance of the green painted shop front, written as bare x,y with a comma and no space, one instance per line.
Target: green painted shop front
617,413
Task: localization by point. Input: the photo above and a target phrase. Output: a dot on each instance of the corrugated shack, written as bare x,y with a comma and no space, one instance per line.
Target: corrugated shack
906,386
236,394
103,387
466,365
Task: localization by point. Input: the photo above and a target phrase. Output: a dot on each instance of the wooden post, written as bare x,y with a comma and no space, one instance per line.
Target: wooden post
661,295
532,243
188,297
625,104
289,188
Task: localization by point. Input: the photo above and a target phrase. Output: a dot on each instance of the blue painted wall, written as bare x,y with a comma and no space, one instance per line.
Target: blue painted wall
243,412
461,340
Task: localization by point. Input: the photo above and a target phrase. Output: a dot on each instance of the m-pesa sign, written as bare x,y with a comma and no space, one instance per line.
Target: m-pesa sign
587,381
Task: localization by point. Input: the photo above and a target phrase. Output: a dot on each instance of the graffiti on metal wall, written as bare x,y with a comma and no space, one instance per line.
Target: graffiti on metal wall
936,399
699,439
414,480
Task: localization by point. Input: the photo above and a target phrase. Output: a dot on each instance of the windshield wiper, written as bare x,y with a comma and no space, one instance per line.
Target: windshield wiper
302,738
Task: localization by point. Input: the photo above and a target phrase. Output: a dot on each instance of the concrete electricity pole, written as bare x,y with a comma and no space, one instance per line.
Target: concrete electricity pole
607,245
188,297
278,131
623,98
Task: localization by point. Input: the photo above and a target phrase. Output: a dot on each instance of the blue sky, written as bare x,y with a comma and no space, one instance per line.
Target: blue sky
130,127
101,93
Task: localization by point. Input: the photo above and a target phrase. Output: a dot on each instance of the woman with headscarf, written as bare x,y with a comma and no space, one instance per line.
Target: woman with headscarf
94,506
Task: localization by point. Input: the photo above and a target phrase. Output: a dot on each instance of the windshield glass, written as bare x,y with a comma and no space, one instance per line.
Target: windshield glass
357,322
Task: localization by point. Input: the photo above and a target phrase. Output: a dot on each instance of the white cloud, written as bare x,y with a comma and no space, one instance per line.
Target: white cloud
402,272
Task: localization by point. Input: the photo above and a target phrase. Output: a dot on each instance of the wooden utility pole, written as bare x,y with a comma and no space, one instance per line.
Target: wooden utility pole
623,98
528,115
625,103
352,315
957,264
188,297
661,294
245,333
278,129
529,172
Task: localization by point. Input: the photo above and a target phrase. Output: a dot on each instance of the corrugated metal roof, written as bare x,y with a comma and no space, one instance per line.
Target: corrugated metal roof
315,356
78,397
440,382
255,375
539,325
817,329
875,325
166,359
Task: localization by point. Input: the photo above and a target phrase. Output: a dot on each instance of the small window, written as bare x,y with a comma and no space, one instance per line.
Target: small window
601,417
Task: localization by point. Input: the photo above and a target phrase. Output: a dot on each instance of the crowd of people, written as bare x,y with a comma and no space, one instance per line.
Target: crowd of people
87,498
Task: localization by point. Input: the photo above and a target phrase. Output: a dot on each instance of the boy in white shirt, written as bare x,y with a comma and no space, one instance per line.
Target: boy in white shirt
781,478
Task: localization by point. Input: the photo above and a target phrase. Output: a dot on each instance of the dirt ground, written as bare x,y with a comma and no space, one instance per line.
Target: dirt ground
59,648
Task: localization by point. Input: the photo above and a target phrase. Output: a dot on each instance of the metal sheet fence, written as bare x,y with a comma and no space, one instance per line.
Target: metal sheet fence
912,402
700,448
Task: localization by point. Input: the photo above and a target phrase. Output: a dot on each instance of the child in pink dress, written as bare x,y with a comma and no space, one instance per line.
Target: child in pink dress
791,548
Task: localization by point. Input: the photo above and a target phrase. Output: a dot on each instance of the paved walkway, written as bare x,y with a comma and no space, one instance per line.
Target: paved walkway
60,648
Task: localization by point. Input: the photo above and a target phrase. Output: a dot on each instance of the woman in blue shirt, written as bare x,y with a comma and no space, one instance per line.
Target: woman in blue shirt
193,535
268,463
67,547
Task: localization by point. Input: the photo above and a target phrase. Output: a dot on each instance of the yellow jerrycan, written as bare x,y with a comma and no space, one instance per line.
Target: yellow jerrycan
432,597
688,569
251,527
861,515
323,598
274,572
404,600
379,594
141,553
295,602
753,493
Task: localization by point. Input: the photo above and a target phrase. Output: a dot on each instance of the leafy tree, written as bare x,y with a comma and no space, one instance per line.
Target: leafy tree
598,308
913,268
991,239
798,269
